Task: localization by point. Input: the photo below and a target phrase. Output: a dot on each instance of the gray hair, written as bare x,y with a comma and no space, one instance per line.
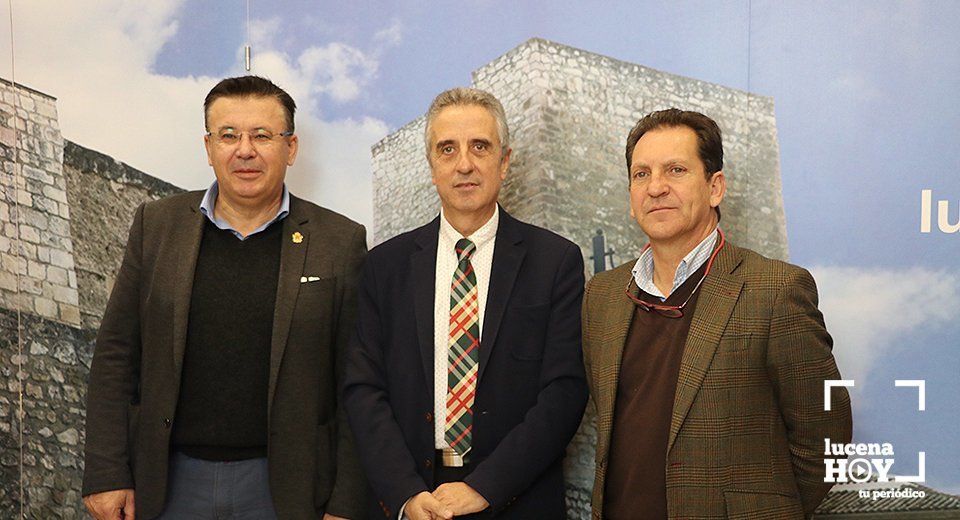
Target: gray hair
465,96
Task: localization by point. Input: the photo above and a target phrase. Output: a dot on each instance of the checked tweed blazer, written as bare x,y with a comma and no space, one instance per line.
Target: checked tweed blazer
748,425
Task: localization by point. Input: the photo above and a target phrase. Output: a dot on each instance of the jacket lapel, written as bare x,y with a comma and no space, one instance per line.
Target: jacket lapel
294,242
718,296
616,318
423,267
508,255
187,251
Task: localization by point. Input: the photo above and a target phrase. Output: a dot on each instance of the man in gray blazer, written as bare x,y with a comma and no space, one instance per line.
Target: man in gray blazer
213,385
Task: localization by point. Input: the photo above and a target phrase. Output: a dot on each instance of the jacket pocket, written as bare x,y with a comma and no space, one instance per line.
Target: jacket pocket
525,326
762,505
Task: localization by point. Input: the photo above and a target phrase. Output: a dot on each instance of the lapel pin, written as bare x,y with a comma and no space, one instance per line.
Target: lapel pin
297,237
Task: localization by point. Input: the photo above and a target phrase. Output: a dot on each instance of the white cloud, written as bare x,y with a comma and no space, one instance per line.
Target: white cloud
97,58
391,35
337,69
262,32
872,312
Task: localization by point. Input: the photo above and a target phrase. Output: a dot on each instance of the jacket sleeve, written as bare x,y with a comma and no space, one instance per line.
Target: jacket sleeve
115,375
529,449
799,359
348,498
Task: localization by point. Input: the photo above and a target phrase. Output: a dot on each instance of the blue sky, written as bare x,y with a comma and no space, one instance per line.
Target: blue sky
865,96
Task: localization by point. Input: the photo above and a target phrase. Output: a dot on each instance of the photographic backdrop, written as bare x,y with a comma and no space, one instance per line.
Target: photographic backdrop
858,99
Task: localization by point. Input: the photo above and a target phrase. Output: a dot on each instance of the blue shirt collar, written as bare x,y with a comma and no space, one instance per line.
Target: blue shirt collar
643,269
210,200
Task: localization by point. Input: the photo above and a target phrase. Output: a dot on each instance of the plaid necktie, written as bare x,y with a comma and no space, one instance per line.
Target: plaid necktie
464,351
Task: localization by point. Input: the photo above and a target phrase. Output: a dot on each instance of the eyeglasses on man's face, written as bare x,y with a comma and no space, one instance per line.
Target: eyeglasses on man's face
260,137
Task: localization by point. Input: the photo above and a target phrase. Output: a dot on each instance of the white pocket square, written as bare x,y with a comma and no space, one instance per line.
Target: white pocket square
308,279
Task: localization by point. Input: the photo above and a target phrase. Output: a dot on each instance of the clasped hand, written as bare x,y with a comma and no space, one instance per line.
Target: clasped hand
448,500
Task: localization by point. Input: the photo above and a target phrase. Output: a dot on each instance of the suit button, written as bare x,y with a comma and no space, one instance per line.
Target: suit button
428,416
166,422
428,463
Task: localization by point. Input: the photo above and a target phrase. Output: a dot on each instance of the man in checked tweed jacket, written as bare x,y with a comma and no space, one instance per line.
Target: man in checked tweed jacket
706,361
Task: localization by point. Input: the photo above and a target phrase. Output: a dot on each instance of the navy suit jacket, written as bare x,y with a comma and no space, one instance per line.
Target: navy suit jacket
531,389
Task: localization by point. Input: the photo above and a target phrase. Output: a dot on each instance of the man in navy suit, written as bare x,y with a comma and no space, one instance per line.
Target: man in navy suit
465,382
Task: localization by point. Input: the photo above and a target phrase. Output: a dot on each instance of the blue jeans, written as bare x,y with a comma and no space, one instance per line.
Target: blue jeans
210,490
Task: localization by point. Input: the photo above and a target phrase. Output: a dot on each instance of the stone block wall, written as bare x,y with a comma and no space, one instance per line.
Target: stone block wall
103,194
403,195
569,113
37,272
51,363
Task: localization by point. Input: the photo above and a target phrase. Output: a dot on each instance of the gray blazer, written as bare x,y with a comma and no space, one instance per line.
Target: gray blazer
135,376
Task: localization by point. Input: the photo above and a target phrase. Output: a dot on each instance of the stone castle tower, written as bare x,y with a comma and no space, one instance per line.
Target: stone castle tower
64,215
569,113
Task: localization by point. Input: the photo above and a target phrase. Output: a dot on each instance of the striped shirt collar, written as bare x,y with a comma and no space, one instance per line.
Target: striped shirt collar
643,269
210,201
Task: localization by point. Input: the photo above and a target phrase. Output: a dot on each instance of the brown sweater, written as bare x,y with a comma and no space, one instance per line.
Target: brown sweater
636,476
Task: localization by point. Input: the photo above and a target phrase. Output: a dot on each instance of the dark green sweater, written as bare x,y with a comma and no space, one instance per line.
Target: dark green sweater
222,408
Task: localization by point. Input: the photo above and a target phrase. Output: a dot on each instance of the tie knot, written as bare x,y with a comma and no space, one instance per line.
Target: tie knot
465,249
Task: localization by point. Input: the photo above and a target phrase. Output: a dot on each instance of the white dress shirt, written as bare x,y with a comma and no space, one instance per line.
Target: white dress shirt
482,260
